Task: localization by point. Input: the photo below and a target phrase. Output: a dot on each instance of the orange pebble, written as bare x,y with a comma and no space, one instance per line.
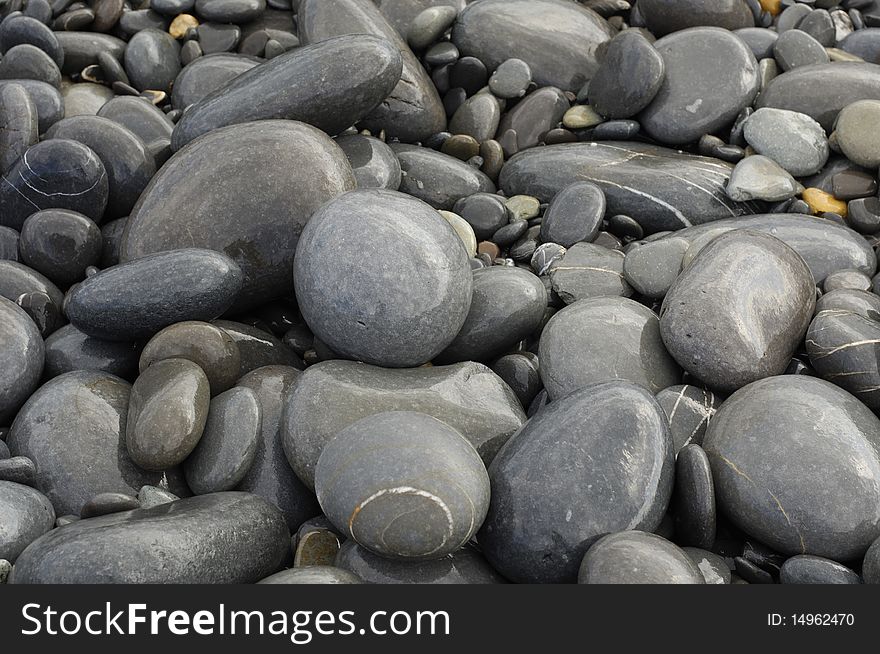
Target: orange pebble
181,24
820,202
772,7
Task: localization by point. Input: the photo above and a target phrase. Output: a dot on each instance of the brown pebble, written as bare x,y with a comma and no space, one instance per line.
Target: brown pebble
181,24
461,146
488,247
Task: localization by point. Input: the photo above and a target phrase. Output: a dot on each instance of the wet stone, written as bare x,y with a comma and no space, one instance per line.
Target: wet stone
27,61
587,270
61,244
863,215
693,499
750,572
511,79
21,357
486,213
520,371
574,215
16,30
536,114
258,348
689,409
652,267
477,117
18,123
628,78
793,140
316,543
106,503
806,569
373,163
637,557
760,178
27,514
428,26
69,349
853,184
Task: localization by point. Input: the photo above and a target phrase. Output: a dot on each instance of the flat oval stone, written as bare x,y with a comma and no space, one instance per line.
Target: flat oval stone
364,70
219,538
588,270
628,78
69,349
508,305
795,48
18,123
854,139
21,358
27,61
604,339
412,111
864,43
228,445
373,163
230,11
561,482
361,318
73,428
806,569
693,499
258,348
511,79
81,49
689,409
662,189
437,178
107,503
206,75
25,515
534,116
697,61
478,117
665,16
137,299
793,140
217,193
465,566
334,394
772,495
574,215
425,504
558,40
637,557
313,574
152,60
751,323
61,244
58,173
19,29
206,345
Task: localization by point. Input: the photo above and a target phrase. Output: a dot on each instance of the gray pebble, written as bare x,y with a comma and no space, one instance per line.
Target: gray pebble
795,48
25,515
637,557
107,503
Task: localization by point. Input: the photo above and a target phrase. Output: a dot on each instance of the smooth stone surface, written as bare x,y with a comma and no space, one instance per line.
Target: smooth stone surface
152,60
795,48
18,469
478,117
21,358
47,99
772,495
511,79
637,557
662,189
373,163
27,61
233,203
107,503
19,29
364,70
437,178
604,339
697,61
69,349
486,213
806,569
689,409
313,574
206,345
587,270
258,348
855,138
652,267
562,481
629,76
8,244
140,117
851,300
574,215
664,16
220,538
557,39
793,140
18,124
466,566
333,394
84,99
759,39
73,428
533,117
713,567
412,111
520,371
507,306
760,178
850,279
206,75
138,298
429,26
363,317
752,323
271,476
693,499
25,515
230,11
61,244
226,450
57,173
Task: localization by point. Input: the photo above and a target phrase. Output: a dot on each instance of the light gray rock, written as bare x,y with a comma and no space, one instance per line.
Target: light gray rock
793,140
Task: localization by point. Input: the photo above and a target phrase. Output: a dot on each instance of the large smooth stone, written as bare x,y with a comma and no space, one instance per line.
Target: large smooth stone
466,566
665,16
21,359
334,394
766,443
373,163
826,245
698,62
206,75
604,339
662,189
508,304
69,349
25,515
557,39
270,476
152,60
637,557
437,178
425,502
738,312
331,85
54,174
822,90
137,299
397,314
224,538
218,193
73,429
597,461
412,111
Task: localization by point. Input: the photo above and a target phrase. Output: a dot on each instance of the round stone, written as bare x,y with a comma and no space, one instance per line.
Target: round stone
760,178
61,244
854,137
664,16
807,569
652,267
484,212
793,140
851,279
795,48
637,557
628,78
429,25
574,215
21,358
511,79
373,163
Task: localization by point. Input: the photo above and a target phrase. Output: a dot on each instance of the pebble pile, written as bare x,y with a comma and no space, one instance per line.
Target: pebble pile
439,291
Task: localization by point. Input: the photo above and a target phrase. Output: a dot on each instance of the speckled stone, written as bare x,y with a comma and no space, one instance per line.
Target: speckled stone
21,358
628,78
637,557
373,163
25,515
333,394
776,497
69,349
220,538
689,409
313,574
587,270
604,339
806,569
750,326
693,500
437,178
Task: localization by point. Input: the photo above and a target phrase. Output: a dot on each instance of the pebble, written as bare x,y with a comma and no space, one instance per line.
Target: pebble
316,543
806,569
629,76
314,574
511,79
533,117
859,144
820,202
152,60
437,178
230,11
760,178
429,25
587,270
60,244
150,496
207,74
575,215
664,16
713,567
652,267
793,140
759,39
107,503
26,515
795,48
21,358
849,279
373,163
693,499
69,349
871,564
853,184
18,117
863,215
477,117
637,557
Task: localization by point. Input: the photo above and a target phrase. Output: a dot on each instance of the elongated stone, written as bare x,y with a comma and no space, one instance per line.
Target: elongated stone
21,358
806,569
81,49
437,178
18,124
665,16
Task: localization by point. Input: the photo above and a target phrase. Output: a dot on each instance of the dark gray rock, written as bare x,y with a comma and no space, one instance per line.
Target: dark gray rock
629,76
313,574
258,348
217,193
47,99
651,267
228,444
61,244
760,178
795,48
18,124
402,320
713,567
820,26
793,140
21,358
73,428
486,213
219,538
693,499
665,16
533,117
806,569
39,297
574,215
776,497
520,371
8,244
206,75
152,60
373,163
230,11
604,339
587,270
689,409
69,349
107,503
437,178
864,43
751,323
871,564
81,49
25,515
16,30
562,481
637,557
478,117
18,469
424,504
759,39
27,61
334,394
138,298
144,120
863,303
511,79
